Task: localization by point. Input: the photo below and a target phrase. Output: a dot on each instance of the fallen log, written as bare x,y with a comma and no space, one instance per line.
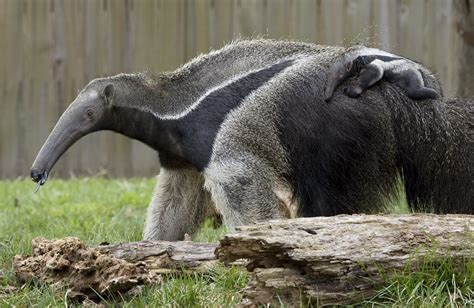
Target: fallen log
338,260
103,271
324,260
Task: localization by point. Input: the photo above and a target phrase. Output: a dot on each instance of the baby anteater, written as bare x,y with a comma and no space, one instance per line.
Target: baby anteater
372,65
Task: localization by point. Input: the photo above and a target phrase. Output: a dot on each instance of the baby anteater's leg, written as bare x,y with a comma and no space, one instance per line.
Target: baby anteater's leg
412,82
367,77
423,93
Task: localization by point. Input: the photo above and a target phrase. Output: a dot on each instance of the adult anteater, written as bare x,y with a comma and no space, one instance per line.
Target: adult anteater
246,130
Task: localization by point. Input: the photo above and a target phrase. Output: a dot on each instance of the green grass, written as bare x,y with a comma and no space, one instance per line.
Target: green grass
429,282
100,210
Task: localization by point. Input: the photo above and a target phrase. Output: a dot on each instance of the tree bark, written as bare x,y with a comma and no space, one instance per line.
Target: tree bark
465,29
324,260
338,260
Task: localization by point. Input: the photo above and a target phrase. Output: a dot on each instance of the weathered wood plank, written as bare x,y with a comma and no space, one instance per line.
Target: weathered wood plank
465,35
277,15
202,25
221,25
357,25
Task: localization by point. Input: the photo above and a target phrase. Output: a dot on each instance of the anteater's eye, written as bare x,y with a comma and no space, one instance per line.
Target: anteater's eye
89,113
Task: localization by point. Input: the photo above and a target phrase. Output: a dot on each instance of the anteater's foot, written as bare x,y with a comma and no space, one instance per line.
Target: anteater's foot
353,91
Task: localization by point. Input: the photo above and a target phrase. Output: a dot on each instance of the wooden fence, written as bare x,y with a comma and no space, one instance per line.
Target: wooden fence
49,49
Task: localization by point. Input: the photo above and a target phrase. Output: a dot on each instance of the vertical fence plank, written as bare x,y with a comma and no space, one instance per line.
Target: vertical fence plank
305,20
412,18
332,23
357,25
202,25
277,19
3,82
223,23
23,90
11,82
442,39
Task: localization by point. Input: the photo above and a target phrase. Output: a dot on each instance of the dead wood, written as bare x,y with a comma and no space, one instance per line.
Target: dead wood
105,271
325,260
338,260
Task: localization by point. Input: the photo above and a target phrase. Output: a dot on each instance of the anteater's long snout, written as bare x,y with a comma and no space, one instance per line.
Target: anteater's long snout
39,176
66,132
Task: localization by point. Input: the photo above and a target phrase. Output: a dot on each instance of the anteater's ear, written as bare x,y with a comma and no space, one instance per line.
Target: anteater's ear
109,93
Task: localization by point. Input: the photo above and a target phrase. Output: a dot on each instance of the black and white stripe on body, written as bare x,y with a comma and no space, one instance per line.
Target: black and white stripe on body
189,105
372,65
194,131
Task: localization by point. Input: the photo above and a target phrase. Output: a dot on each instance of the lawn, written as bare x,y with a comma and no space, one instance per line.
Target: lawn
102,210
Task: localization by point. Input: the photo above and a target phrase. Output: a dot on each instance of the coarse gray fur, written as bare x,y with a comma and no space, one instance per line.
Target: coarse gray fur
178,196
372,65
244,132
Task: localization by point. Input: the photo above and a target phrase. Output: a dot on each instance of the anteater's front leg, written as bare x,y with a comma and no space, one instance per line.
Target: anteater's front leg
179,205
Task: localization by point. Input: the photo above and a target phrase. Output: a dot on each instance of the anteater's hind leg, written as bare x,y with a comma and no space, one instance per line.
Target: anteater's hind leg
179,205
412,82
367,77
